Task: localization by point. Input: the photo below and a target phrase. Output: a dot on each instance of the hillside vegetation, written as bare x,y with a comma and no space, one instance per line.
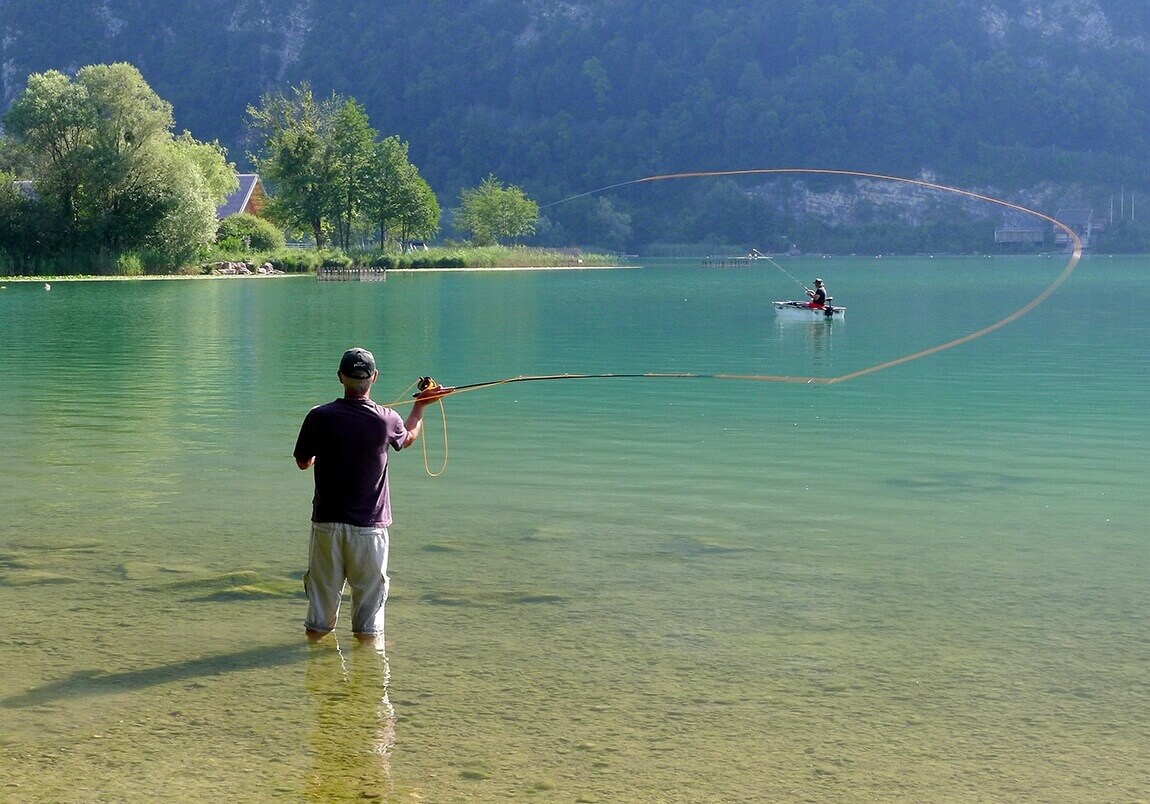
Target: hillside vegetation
1033,100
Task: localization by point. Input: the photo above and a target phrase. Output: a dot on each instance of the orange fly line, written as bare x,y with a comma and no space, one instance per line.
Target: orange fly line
1072,263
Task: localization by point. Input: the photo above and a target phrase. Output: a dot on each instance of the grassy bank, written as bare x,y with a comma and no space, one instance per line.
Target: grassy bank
459,256
304,261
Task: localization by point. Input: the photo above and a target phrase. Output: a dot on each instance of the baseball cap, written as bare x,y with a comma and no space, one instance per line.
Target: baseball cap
357,363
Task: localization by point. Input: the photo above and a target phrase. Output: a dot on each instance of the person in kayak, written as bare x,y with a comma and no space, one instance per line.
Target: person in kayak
818,295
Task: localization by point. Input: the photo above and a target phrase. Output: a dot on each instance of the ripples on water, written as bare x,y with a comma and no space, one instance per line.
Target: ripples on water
925,584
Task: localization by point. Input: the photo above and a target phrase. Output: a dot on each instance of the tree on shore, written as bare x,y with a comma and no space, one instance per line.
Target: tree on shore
401,203
351,157
492,211
293,158
109,177
418,207
330,174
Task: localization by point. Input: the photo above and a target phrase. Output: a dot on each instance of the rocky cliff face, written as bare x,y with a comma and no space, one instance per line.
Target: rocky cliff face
1082,21
864,200
264,36
288,23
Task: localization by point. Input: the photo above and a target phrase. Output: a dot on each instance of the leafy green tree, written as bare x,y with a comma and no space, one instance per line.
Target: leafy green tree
390,161
491,212
52,124
192,185
350,155
210,159
401,202
294,159
110,178
419,209
329,174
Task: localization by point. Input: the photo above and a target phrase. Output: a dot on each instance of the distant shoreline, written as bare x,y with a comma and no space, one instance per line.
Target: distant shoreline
233,277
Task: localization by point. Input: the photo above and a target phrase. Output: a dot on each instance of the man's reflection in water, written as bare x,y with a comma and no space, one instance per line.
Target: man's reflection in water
817,336
819,339
354,721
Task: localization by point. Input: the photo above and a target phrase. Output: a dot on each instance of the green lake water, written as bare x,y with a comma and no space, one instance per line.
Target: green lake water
925,584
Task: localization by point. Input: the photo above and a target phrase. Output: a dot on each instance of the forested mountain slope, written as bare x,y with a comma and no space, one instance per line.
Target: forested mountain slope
563,97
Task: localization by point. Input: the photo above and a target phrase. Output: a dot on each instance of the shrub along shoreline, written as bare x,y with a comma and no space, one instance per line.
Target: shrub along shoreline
300,261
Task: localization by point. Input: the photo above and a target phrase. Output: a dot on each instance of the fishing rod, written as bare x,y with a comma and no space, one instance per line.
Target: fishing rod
430,390
771,260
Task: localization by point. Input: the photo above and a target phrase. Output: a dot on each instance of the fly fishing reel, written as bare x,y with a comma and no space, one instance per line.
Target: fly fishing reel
430,390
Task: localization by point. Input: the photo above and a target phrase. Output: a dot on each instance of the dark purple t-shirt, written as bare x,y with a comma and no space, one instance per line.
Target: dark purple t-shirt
349,439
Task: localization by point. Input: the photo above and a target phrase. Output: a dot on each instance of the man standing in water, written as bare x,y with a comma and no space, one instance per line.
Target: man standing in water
347,442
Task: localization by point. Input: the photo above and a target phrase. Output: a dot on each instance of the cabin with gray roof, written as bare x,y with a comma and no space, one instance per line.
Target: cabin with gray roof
249,198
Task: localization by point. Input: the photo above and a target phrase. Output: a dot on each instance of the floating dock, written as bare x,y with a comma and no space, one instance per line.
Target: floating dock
331,273
731,262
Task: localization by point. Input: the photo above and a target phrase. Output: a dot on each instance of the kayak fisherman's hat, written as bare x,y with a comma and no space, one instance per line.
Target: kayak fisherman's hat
818,281
357,364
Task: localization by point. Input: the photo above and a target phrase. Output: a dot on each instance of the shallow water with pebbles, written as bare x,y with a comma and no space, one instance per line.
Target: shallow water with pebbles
924,584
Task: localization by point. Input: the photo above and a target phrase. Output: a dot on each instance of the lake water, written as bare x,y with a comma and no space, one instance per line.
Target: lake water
925,584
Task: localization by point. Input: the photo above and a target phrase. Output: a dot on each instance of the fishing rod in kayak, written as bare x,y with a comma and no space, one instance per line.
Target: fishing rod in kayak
771,260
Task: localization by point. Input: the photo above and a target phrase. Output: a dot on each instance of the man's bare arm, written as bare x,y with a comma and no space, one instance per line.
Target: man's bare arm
414,423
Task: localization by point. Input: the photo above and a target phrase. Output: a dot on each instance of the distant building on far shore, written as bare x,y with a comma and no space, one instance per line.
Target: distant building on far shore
1081,221
249,198
1020,234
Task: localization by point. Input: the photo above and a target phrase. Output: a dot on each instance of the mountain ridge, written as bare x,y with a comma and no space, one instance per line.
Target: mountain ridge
560,97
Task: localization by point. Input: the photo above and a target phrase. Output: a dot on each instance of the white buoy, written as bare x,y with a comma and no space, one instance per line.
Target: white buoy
47,286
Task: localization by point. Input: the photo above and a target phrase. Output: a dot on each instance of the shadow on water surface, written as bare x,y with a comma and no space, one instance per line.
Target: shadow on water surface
954,482
88,683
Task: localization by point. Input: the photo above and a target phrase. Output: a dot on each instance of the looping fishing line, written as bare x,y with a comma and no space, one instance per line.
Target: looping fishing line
1075,256
404,399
